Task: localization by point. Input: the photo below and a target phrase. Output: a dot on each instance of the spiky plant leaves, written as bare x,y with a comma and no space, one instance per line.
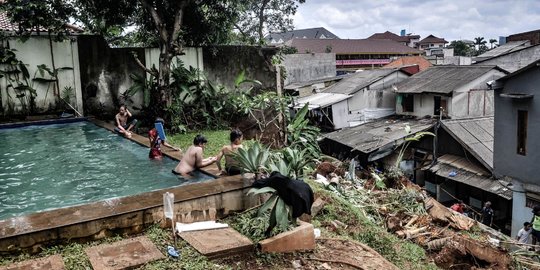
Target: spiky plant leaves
255,191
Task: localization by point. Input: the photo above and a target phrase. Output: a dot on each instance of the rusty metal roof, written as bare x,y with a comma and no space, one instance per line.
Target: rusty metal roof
476,135
461,170
381,133
442,79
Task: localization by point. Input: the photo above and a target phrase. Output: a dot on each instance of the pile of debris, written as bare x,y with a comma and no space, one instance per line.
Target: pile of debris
453,240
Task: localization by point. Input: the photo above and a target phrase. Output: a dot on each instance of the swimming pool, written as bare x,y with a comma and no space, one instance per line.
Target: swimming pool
52,166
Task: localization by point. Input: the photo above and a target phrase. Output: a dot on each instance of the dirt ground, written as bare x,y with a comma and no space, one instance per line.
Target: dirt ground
330,253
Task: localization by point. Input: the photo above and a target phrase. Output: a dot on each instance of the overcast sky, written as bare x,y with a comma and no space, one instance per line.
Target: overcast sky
450,19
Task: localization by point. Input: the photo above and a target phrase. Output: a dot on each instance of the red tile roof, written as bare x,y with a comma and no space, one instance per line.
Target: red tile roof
422,62
432,39
352,46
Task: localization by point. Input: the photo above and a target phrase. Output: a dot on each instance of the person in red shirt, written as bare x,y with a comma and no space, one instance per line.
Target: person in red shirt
458,207
156,142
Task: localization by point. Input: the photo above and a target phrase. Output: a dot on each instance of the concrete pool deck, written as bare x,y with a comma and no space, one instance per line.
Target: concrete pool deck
198,201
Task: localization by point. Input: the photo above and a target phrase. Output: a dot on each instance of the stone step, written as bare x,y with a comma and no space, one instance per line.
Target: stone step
50,262
218,243
125,254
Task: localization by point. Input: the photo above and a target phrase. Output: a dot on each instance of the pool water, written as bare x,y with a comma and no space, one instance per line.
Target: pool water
53,166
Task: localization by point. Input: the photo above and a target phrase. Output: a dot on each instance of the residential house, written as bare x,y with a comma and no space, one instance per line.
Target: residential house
431,42
407,40
371,93
308,88
516,148
326,110
463,168
309,33
374,141
410,64
354,54
532,36
448,91
513,60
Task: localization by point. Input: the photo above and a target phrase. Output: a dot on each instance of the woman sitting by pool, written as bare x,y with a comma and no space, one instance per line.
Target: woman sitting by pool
157,138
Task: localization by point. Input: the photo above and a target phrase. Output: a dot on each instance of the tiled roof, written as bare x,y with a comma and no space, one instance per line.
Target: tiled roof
352,46
310,33
432,39
442,79
422,62
392,36
357,81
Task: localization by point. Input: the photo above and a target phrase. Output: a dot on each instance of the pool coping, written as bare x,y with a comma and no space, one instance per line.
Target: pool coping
148,204
43,122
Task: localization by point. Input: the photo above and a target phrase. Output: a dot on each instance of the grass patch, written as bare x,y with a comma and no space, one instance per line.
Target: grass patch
216,140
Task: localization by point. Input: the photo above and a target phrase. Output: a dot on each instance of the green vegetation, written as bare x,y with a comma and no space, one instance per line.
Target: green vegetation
216,140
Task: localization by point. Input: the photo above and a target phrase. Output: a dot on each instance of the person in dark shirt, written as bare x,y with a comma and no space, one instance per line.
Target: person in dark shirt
487,214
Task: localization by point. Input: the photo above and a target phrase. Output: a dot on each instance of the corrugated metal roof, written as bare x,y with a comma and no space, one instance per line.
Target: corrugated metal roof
359,80
381,133
507,47
441,79
476,135
352,46
320,100
297,85
465,172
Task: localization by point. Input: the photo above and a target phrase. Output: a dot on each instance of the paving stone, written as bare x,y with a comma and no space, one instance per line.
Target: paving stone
218,243
297,239
125,254
53,262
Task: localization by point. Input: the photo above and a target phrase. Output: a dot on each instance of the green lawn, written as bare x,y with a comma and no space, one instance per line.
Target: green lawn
216,140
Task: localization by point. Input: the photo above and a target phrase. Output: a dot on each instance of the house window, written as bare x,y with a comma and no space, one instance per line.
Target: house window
522,132
532,200
408,103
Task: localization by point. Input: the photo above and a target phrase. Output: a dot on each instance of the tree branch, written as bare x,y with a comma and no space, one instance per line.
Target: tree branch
261,19
140,64
157,20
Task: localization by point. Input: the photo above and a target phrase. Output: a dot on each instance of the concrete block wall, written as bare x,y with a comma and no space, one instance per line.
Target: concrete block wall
309,66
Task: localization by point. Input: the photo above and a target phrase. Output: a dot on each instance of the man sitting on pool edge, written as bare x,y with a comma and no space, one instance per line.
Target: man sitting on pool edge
121,121
193,158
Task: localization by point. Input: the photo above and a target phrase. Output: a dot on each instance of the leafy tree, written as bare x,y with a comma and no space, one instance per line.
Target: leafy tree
160,21
259,17
479,41
30,16
493,42
460,48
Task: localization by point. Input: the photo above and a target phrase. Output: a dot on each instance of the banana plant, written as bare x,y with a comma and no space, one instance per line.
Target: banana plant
253,159
411,138
280,212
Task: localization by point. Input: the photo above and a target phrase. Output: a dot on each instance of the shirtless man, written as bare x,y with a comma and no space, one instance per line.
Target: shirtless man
122,125
193,158
231,165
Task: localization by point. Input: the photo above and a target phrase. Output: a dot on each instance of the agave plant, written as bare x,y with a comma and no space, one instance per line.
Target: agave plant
253,159
277,164
302,135
280,212
296,159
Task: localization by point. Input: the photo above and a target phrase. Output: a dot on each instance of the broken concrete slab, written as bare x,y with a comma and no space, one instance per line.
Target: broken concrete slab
128,253
218,243
49,262
297,239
